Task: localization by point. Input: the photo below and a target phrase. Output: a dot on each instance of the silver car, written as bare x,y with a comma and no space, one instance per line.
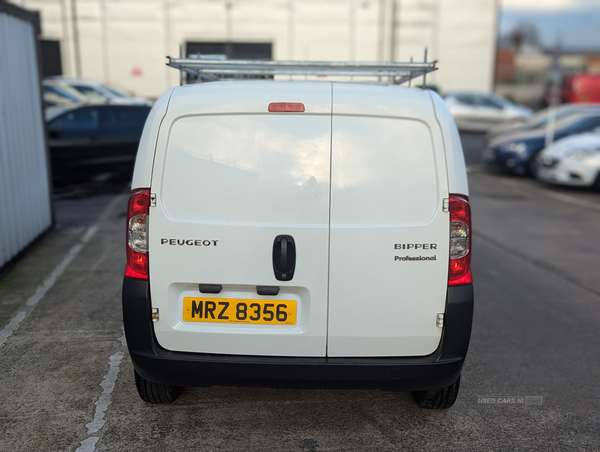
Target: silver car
478,112
98,92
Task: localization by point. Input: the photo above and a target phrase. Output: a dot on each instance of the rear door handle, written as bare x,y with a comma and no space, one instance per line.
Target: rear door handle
284,257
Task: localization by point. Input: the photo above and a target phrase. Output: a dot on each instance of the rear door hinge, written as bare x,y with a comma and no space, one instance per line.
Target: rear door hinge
440,320
152,199
155,314
446,205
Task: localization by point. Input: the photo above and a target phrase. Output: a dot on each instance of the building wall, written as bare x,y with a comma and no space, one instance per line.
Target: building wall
25,200
125,41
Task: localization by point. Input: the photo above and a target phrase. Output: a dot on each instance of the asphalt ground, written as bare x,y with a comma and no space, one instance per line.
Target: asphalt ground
531,380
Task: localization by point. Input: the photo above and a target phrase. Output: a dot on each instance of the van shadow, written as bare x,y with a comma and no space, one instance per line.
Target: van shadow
301,419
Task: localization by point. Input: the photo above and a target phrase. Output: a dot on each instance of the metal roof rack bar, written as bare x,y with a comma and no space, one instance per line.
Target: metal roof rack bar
207,67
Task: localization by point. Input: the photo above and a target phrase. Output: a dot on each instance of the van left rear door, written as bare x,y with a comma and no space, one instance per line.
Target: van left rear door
230,177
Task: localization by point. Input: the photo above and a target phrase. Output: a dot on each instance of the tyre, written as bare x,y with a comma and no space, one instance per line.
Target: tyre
596,184
532,165
151,392
438,399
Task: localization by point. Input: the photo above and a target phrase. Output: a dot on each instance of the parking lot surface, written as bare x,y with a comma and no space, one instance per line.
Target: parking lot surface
530,381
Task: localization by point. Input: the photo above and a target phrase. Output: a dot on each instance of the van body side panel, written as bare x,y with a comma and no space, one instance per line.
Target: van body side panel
457,173
389,237
142,172
229,178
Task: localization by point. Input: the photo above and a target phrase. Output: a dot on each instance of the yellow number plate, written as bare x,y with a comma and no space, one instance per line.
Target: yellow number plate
233,310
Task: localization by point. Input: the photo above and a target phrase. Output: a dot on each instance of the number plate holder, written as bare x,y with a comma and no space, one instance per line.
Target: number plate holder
239,310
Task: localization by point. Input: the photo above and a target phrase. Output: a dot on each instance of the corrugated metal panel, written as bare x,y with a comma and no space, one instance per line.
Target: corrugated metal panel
25,199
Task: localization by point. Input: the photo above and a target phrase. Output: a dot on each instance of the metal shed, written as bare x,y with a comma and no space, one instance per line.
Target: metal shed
25,182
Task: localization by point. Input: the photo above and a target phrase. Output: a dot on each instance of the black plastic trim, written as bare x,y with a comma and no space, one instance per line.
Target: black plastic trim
210,288
267,290
154,363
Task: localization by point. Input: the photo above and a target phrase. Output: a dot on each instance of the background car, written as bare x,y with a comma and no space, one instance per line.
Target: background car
539,119
56,94
574,160
90,139
516,153
577,88
99,92
478,112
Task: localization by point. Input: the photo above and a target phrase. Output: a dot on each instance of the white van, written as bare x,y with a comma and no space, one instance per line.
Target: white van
304,234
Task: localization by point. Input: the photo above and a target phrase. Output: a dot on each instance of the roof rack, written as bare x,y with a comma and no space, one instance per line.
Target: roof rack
217,67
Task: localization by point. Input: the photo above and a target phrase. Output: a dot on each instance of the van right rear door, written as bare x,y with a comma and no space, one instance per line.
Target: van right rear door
389,234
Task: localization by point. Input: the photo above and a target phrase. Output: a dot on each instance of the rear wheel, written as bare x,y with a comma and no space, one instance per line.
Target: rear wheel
438,399
596,184
151,392
532,165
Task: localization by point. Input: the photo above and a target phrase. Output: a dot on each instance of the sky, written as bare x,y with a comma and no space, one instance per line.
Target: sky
575,22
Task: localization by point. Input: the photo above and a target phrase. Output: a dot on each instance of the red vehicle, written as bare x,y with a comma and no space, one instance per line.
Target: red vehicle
580,88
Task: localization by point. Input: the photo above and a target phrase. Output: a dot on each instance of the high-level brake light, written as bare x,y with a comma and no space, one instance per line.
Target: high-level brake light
459,272
137,234
286,107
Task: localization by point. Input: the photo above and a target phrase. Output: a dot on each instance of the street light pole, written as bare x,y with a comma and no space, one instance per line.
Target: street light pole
554,94
104,22
76,54
393,31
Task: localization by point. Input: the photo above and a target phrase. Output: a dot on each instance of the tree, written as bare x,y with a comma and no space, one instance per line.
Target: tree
524,33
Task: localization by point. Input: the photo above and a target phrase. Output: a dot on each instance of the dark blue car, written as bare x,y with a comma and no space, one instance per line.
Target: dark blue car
516,152
87,140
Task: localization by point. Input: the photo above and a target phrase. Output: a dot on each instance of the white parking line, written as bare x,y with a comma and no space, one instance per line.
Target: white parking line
15,322
108,384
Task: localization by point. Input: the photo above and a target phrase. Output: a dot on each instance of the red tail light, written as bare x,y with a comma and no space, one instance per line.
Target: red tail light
137,234
459,272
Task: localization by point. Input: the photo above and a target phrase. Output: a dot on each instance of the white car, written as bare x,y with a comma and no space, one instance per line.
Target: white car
60,93
540,119
478,112
98,92
574,160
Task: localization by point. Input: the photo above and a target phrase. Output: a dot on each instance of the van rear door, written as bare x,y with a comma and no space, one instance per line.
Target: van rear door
389,239
230,177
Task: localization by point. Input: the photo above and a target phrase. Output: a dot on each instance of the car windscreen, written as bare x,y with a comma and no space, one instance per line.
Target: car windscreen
479,100
540,119
572,123
89,92
55,112
118,92
53,89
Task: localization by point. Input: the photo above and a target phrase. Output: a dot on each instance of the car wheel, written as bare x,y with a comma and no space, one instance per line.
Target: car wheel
596,184
151,392
438,399
532,165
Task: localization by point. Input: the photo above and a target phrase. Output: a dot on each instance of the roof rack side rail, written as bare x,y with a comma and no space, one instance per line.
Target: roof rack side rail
211,67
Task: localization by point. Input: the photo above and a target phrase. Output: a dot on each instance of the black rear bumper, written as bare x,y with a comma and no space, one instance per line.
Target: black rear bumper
437,370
